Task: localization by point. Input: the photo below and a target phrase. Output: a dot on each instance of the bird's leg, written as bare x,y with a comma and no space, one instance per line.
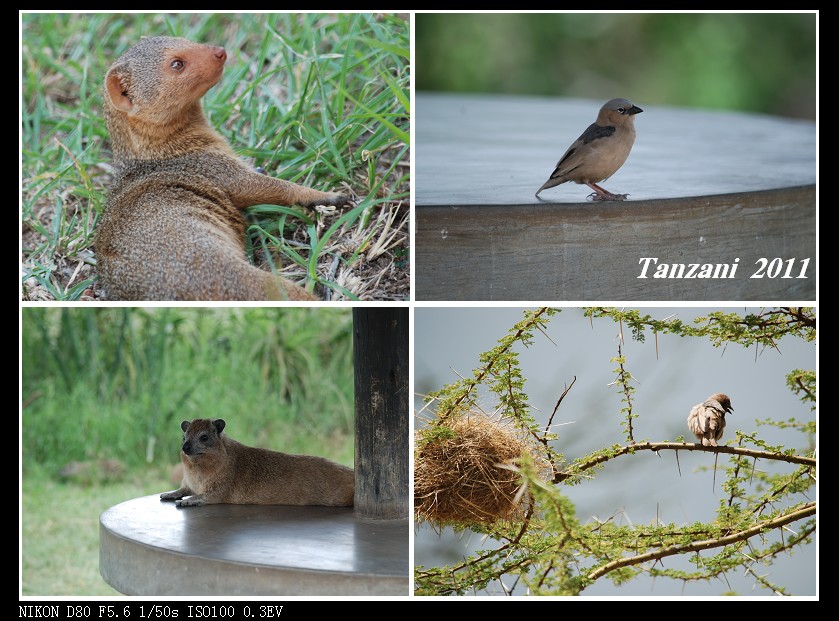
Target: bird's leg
604,195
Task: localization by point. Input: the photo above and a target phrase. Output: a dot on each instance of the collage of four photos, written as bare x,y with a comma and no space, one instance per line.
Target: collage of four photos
400,306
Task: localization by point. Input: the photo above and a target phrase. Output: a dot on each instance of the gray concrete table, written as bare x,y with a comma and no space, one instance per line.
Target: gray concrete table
706,188
151,547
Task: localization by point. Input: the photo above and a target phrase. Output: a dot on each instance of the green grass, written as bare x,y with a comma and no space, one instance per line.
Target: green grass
104,391
319,99
115,383
60,530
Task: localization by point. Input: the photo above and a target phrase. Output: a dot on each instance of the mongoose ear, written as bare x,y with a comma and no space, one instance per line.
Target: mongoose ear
116,88
184,425
219,425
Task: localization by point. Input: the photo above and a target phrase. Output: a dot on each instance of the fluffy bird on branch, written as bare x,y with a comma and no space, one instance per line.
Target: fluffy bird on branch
707,419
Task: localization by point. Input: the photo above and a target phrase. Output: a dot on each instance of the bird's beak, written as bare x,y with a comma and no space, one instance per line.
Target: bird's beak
634,110
730,409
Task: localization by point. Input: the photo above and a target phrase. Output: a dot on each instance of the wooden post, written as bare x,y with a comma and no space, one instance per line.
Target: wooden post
380,340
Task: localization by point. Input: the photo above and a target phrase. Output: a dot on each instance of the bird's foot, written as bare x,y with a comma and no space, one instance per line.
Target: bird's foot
607,196
604,195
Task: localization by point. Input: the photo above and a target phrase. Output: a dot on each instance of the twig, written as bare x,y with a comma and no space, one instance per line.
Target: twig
682,446
483,373
804,388
805,511
624,381
559,401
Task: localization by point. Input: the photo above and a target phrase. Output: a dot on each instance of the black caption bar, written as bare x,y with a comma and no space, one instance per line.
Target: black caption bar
151,610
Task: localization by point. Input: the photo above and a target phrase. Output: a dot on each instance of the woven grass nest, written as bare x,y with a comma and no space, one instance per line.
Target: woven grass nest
457,476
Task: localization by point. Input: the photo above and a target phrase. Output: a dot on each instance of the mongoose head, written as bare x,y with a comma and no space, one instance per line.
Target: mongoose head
155,89
201,435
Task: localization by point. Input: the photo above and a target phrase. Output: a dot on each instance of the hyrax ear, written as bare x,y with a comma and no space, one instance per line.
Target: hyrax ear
184,425
219,425
116,88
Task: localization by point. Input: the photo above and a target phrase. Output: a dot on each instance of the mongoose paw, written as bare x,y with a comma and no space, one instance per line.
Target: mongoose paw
330,199
337,199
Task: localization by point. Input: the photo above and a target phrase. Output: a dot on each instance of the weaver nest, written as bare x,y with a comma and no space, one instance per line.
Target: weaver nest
463,475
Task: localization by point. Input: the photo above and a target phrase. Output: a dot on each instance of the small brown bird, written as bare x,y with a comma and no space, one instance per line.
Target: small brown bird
707,420
600,151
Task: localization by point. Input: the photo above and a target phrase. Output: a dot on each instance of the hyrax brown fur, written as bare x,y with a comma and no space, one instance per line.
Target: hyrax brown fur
218,469
173,227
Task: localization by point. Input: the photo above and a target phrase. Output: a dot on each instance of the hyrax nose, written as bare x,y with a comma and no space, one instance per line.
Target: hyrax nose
187,448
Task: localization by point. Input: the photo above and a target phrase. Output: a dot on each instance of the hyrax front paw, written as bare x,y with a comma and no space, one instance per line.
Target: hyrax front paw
190,501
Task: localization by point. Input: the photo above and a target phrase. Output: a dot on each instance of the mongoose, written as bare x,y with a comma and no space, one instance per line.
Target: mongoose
218,469
173,227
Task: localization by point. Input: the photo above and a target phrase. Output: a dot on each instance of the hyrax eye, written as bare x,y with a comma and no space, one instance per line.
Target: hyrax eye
203,437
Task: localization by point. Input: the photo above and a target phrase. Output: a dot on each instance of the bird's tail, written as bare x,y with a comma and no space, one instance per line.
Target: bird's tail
545,186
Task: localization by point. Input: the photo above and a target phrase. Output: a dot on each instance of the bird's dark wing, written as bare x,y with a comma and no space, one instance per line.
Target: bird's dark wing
592,133
595,131
564,167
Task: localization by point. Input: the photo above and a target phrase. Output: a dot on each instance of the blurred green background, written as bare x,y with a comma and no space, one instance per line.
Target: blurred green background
104,391
752,62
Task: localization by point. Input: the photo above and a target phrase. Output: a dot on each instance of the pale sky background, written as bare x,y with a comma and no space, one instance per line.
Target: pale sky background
449,340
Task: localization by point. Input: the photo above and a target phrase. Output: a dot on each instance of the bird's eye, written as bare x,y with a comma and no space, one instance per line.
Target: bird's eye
622,110
177,65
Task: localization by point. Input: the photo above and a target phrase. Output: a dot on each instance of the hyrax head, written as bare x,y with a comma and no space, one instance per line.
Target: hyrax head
201,435
159,77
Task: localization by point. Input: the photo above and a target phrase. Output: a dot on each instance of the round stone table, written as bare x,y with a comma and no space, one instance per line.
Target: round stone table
151,547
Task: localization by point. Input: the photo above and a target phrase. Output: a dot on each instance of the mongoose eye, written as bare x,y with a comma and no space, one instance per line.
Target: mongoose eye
177,65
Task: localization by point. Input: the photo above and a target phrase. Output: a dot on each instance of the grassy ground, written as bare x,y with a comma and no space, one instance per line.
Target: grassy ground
60,529
322,100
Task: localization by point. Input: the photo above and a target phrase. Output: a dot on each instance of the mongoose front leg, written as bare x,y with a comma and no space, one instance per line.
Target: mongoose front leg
252,188
177,494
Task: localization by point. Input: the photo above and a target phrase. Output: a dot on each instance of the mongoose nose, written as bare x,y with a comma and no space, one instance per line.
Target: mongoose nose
221,54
